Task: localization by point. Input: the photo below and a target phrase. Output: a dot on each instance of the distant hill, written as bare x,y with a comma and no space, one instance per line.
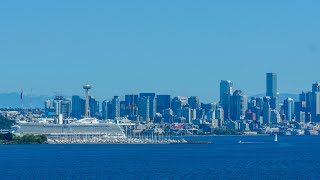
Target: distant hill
12,100
282,97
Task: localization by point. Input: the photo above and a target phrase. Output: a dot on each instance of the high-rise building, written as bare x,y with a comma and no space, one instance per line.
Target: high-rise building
115,107
194,102
266,110
49,108
78,107
239,105
163,102
220,116
272,90
225,97
104,110
315,102
66,108
275,116
94,107
152,104
168,116
288,108
131,106
225,88
123,108
144,108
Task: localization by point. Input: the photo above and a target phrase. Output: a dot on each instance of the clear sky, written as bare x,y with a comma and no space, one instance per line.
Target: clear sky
181,47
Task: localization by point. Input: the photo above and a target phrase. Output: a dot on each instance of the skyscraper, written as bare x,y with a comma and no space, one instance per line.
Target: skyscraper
152,104
272,90
271,85
288,108
66,108
94,107
239,105
163,102
266,110
314,102
194,102
78,107
225,88
225,97
104,110
131,106
115,107
144,108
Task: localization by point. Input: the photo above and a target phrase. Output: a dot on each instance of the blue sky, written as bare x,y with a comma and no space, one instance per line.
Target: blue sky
179,47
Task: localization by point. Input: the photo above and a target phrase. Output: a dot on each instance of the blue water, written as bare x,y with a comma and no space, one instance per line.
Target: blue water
294,157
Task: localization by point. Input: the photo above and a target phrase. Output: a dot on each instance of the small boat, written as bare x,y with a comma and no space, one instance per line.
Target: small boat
276,138
240,142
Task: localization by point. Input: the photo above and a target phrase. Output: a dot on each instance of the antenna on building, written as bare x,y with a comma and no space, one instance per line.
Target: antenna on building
31,104
21,99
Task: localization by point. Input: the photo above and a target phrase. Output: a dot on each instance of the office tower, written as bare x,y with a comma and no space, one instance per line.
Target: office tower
275,116
152,104
168,116
266,110
300,111
210,115
87,87
252,104
200,113
78,107
188,114
272,90
315,102
131,106
66,108
194,102
104,110
225,98
163,102
209,106
220,116
239,105
176,105
123,108
288,108
271,85
225,88
144,108
115,107
62,107
303,96
49,108
109,110
94,107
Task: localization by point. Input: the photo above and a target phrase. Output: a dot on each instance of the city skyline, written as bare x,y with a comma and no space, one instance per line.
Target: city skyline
180,49
263,92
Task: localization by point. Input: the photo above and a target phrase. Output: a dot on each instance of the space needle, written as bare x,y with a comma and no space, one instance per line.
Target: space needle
87,87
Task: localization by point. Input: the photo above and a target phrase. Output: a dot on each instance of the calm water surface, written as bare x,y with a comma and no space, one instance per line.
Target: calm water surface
294,157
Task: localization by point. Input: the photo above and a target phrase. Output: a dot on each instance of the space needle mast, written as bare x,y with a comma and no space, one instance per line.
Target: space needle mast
87,87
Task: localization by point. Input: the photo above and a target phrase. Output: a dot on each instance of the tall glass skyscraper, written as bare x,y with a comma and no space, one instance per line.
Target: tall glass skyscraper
152,104
225,88
225,97
163,102
272,90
